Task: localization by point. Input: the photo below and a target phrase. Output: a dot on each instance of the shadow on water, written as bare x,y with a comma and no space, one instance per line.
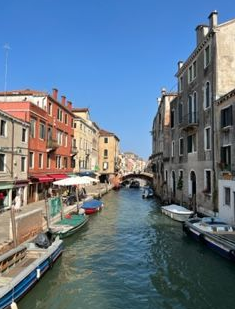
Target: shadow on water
131,256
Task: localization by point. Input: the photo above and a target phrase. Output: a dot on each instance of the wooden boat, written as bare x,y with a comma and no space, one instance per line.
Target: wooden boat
148,192
213,232
176,212
69,225
92,206
21,268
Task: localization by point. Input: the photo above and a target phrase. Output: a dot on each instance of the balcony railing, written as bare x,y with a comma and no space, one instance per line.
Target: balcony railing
190,121
74,150
52,144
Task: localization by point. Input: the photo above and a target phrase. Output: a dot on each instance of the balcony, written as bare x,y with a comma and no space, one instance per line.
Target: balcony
190,121
52,145
73,150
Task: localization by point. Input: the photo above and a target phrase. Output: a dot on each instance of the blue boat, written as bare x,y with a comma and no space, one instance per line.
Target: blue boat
21,268
214,233
92,206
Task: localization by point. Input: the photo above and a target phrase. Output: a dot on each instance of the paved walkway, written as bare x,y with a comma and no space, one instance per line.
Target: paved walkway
5,217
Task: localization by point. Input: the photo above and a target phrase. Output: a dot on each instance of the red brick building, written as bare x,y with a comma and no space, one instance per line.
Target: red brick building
51,137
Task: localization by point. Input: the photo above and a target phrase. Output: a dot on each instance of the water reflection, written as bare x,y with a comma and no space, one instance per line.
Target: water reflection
131,256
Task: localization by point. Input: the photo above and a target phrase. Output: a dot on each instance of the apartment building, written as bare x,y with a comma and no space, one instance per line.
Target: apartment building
51,135
86,135
14,135
108,154
191,175
225,154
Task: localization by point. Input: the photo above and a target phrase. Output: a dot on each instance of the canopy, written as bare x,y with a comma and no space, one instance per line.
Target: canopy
72,181
91,179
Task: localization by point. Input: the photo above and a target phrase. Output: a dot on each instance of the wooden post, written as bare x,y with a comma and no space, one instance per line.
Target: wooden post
13,225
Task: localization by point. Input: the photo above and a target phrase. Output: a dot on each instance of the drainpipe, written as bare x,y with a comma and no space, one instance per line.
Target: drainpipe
213,146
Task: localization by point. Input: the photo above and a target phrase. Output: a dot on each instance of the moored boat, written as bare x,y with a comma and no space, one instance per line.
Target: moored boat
148,192
69,225
177,212
22,267
213,232
92,206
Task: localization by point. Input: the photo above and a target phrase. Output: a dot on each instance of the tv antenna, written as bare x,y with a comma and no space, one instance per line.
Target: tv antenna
7,48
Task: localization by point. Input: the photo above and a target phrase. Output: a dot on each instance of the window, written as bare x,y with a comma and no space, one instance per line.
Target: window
32,127
192,108
50,108
192,147
58,161
73,162
192,72
65,162
23,135
105,153
226,156
3,126
173,149
172,118
181,146
207,138
207,181
65,139
106,140
207,95
66,119
59,114
31,160
2,162
59,137
105,165
227,194
42,131
23,164
40,160
226,116
181,83
180,112
48,160
207,56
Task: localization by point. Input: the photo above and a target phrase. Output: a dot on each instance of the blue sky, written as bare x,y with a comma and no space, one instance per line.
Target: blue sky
112,56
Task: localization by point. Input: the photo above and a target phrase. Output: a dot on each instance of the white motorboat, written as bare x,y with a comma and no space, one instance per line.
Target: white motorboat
177,212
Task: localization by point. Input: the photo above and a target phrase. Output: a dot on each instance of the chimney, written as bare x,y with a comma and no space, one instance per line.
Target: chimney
54,93
69,105
180,64
213,19
163,91
63,100
201,32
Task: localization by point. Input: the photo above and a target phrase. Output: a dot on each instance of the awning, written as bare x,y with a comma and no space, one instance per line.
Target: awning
58,176
41,178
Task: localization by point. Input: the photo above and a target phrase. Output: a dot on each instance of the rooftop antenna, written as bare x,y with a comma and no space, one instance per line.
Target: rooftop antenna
7,48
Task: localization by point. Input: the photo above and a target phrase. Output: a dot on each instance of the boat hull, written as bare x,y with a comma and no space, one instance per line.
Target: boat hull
211,241
17,286
177,215
65,231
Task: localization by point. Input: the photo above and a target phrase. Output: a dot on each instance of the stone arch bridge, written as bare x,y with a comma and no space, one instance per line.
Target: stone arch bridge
145,176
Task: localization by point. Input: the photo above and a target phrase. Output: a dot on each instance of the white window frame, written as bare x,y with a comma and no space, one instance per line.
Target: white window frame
230,199
181,83
24,134
192,71
23,164
206,138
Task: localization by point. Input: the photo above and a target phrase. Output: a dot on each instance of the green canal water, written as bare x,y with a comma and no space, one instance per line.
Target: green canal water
131,256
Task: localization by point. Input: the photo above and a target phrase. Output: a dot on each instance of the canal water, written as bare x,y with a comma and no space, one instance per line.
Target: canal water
131,256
